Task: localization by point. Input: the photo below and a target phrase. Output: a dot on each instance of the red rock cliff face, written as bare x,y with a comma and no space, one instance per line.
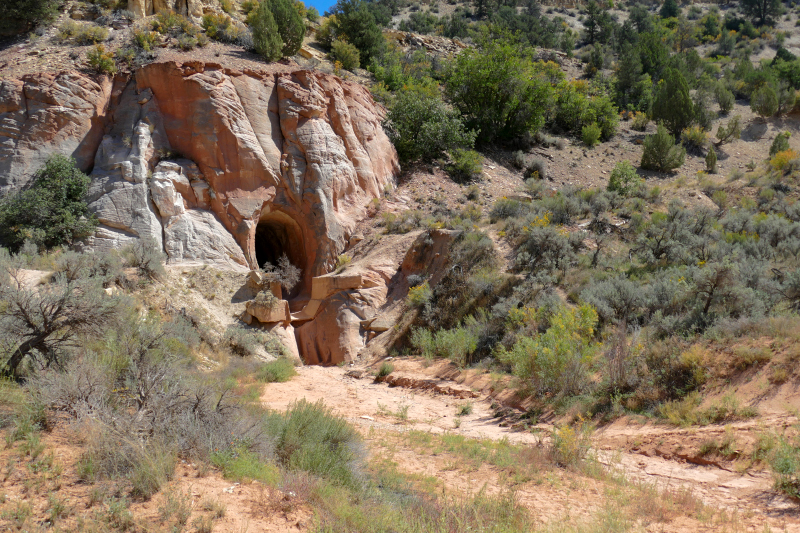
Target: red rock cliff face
259,163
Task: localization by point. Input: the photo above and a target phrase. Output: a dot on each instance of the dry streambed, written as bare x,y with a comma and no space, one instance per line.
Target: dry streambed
649,456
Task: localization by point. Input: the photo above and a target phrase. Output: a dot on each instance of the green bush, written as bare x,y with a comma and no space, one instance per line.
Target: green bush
312,14
423,127
559,360
780,144
221,27
624,178
276,371
52,211
420,295
660,152
731,131
725,99
80,33
144,39
764,101
456,344
499,91
711,161
640,122
590,135
102,61
309,437
147,257
20,15
465,165
346,54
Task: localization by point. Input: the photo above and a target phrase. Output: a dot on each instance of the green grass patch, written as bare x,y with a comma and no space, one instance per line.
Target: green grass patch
242,466
277,371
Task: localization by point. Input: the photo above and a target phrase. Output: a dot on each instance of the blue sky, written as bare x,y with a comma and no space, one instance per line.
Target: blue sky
321,5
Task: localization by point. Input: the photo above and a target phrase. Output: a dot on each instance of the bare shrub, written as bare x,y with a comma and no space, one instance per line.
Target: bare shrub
41,322
147,257
284,272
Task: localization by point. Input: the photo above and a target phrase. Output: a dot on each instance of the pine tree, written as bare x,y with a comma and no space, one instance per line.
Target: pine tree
673,105
669,9
266,39
290,24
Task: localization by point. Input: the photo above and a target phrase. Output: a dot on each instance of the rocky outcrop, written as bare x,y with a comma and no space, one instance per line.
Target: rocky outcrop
144,8
218,166
266,162
48,113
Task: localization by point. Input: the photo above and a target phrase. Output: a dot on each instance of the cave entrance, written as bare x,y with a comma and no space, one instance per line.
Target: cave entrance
278,234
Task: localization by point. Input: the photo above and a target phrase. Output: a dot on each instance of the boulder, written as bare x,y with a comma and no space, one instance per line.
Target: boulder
266,309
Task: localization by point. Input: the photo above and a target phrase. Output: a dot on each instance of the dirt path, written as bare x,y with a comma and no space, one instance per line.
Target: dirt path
660,456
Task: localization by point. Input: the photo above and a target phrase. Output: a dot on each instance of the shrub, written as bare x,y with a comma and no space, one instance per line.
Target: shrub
733,130
725,99
519,94
244,342
456,344
465,165
544,247
711,161
782,159
557,361
569,445
660,152
327,32
346,54
624,178
640,121
419,295
146,40
309,437
695,137
590,135
784,460
52,211
780,144
536,169
187,42
221,27
20,15
145,254
284,272
423,127
101,61
312,14
764,101
276,371
385,370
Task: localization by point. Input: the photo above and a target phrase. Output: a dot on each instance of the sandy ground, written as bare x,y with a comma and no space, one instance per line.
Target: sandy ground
640,450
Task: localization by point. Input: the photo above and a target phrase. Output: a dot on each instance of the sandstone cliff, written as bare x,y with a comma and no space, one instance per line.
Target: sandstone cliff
213,165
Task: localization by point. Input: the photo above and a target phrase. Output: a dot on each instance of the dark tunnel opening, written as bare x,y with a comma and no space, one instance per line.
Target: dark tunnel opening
277,234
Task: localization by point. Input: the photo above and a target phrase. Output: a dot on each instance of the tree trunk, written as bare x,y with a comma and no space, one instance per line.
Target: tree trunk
19,354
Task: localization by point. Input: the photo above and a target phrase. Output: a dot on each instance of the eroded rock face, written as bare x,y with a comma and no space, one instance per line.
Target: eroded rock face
45,114
213,165
302,152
